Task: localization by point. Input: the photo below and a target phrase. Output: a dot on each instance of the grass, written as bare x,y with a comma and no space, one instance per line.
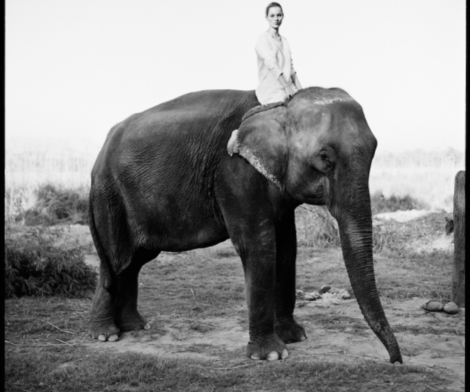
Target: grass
418,275
185,293
396,276
335,322
95,372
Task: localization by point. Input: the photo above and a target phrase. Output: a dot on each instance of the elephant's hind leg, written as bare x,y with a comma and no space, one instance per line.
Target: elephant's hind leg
103,228
285,325
115,304
102,325
128,317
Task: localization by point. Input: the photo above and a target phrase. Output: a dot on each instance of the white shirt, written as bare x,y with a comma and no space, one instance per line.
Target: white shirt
274,58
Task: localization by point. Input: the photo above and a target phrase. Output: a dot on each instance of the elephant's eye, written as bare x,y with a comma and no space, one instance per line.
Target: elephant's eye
326,161
324,157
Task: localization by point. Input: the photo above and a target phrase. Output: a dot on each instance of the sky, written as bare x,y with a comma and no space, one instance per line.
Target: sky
75,68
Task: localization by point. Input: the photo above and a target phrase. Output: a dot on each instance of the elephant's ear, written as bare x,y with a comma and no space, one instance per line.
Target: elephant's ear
261,140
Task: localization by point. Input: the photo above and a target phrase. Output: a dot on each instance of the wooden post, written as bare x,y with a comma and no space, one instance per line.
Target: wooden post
458,278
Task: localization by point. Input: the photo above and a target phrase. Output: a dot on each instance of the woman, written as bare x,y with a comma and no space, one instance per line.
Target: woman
277,77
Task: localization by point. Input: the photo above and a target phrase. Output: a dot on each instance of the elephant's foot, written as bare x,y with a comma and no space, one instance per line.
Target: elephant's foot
102,325
271,348
131,320
289,331
105,332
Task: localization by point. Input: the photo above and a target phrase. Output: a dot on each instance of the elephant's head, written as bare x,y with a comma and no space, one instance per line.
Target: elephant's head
317,148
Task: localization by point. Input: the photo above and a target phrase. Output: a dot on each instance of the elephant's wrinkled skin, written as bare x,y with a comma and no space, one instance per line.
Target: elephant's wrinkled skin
168,180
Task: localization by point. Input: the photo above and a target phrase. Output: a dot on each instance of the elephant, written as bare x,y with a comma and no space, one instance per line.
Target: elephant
211,165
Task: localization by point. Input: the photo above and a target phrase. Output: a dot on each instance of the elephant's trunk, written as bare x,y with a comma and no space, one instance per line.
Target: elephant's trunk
352,210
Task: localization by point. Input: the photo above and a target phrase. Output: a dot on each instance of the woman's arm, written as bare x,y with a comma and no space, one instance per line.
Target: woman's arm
296,81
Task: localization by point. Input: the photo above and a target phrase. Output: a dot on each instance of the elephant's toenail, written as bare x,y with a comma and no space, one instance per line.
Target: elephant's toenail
102,338
113,338
273,356
285,354
255,356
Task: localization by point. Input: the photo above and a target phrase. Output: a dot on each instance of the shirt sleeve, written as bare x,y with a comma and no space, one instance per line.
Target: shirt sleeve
292,70
268,55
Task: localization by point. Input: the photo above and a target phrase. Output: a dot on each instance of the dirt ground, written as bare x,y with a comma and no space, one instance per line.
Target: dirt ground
442,350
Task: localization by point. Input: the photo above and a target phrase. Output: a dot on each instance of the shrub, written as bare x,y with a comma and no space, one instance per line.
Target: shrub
55,205
35,267
380,203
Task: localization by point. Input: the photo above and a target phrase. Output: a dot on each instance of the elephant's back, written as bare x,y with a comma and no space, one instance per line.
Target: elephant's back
192,123
193,112
212,102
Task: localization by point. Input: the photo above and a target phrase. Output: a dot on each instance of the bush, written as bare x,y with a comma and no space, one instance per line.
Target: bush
54,205
35,267
380,203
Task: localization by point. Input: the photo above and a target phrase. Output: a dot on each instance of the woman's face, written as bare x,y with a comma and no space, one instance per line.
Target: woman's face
275,17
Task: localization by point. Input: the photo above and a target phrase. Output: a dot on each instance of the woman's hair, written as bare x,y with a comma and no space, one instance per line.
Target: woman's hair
273,4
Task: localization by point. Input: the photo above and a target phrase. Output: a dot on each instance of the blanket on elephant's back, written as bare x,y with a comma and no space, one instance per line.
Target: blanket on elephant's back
261,108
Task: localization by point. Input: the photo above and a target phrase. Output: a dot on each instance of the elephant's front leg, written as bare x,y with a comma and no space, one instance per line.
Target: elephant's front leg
285,326
255,243
260,272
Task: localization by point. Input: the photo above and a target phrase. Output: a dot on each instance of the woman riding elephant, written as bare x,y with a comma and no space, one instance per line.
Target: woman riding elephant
276,75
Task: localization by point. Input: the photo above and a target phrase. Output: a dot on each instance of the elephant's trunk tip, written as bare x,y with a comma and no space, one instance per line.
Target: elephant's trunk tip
392,346
396,357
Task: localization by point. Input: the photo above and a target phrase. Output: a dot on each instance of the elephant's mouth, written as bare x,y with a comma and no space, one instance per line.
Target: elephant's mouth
306,192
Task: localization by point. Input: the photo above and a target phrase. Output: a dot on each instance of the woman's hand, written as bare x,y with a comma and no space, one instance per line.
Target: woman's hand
290,90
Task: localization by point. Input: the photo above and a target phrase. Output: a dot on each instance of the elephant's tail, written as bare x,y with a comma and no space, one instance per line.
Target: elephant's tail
106,270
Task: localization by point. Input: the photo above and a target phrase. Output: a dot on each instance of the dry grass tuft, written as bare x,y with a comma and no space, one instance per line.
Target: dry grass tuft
316,227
